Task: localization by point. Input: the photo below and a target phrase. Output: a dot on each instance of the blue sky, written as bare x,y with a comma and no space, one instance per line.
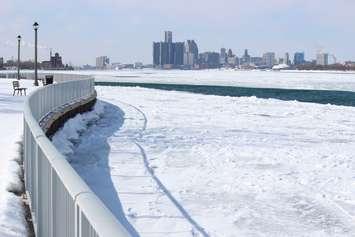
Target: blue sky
80,30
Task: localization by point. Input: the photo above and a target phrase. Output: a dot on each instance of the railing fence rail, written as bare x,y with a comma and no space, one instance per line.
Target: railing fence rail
62,205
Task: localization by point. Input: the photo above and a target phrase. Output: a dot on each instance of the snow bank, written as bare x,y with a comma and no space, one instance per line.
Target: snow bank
68,136
12,220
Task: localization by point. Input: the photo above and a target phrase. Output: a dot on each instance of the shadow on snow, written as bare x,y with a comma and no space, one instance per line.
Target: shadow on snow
91,161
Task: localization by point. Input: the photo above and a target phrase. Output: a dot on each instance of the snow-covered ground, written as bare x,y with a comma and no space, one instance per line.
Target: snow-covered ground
262,79
325,80
180,164
12,222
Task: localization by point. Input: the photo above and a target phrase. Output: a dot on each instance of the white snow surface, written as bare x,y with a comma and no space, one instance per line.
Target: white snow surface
12,221
179,164
320,80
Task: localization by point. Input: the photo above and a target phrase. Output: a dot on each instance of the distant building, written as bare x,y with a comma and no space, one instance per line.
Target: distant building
157,53
190,54
245,60
87,67
55,62
138,65
189,60
349,64
223,56
298,58
287,60
209,60
281,61
231,59
1,63
230,53
256,61
102,62
167,54
269,59
322,59
178,52
46,65
168,37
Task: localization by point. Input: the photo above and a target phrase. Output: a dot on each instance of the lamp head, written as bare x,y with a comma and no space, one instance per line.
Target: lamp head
35,26
19,37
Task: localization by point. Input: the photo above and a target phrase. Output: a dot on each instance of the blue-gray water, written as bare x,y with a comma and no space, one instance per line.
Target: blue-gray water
344,98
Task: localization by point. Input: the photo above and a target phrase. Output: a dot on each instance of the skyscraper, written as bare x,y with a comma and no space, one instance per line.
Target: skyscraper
269,59
298,58
102,62
168,37
168,54
157,53
223,56
245,60
178,52
287,59
322,59
190,53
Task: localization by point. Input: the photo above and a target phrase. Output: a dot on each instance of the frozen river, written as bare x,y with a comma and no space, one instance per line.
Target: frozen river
173,163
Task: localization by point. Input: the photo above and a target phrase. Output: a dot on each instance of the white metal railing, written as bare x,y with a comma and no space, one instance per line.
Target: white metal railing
58,76
62,205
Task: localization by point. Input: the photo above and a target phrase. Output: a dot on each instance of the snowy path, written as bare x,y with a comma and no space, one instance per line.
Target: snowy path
114,147
12,221
150,170
236,166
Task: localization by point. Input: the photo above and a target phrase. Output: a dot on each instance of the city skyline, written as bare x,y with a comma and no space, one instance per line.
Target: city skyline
82,30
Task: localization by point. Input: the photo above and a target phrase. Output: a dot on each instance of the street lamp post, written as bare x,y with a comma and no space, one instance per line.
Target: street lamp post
35,27
18,57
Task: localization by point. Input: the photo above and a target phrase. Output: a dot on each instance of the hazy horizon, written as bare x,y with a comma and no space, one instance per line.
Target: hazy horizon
81,30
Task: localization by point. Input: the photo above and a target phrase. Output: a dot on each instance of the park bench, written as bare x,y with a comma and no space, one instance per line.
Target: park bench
17,88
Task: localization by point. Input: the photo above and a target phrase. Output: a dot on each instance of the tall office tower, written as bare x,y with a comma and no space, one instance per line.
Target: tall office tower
167,54
190,53
102,62
1,63
322,59
168,37
246,58
223,56
298,58
178,54
230,53
287,59
269,59
156,53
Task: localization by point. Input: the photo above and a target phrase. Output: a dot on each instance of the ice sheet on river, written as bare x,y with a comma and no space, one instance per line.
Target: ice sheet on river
182,164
